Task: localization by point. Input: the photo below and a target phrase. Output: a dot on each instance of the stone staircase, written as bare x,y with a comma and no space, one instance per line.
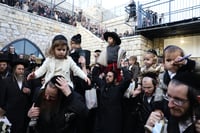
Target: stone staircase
134,45
90,41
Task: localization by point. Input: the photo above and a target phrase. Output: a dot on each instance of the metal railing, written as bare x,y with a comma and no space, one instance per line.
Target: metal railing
166,11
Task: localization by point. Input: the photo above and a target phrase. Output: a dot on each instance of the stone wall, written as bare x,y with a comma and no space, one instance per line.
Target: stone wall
136,45
17,24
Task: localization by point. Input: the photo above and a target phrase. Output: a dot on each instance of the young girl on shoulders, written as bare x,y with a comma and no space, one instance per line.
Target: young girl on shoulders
59,63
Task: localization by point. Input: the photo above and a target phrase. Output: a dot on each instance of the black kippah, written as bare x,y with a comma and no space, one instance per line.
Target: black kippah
152,75
76,39
189,78
53,79
152,51
59,37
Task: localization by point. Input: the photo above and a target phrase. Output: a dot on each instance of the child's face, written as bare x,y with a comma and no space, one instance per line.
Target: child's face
60,52
131,62
169,61
148,60
74,45
110,41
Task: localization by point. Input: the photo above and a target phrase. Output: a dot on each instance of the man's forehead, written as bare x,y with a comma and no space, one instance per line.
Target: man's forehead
3,62
110,74
177,90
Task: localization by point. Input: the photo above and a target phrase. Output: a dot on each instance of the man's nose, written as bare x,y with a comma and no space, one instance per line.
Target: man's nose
171,103
47,97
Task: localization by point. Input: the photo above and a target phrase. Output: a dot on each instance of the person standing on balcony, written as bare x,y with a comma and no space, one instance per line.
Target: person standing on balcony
132,10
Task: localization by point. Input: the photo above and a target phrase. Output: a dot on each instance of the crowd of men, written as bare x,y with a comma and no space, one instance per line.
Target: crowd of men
130,98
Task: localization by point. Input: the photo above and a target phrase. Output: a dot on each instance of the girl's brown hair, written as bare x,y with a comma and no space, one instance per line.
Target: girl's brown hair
58,40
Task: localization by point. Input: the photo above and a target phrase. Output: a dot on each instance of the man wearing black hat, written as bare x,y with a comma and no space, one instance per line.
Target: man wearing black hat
111,57
14,98
4,67
76,51
82,59
182,96
141,103
11,54
59,108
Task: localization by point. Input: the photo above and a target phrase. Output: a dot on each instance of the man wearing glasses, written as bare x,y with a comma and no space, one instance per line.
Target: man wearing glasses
182,96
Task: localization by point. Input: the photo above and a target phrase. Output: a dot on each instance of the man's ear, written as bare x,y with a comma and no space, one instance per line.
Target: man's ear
198,98
2,112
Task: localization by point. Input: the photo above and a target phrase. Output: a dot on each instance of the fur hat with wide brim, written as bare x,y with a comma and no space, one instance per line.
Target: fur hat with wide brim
113,35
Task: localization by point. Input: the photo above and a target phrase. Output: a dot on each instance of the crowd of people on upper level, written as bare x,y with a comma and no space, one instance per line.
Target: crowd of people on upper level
42,9
122,95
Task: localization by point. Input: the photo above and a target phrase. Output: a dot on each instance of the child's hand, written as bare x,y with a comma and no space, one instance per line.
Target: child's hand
180,61
82,60
31,76
87,80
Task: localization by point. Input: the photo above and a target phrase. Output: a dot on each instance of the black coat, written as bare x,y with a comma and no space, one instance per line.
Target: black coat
174,128
63,118
16,104
109,111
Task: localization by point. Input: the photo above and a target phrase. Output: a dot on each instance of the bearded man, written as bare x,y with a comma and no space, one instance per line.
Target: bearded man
15,98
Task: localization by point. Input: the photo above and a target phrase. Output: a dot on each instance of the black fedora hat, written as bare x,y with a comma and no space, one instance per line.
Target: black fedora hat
113,35
21,62
4,58
189,78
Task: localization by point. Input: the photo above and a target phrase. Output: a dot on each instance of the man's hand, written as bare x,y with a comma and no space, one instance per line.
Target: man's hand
197,126
26,90
64,87
154,117
2,112
33,111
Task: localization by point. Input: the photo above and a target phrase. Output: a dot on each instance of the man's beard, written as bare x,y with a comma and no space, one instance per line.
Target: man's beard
185,116
19,77
48,108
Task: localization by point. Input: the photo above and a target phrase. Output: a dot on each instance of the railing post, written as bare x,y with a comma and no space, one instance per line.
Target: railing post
170,11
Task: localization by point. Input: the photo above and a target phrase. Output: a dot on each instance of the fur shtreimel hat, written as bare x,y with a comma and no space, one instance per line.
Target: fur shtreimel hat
189,78
59,37
76,38
113,35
